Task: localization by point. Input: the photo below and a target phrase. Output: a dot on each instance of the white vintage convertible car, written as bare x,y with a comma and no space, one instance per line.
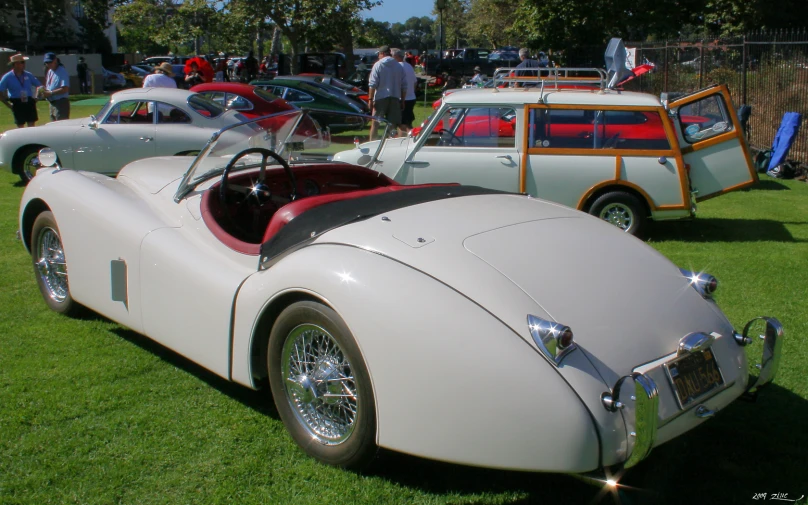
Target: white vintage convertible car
438,320
124,130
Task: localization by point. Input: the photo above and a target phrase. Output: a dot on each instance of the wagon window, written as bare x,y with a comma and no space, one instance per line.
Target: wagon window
594,129
704,119
475,127
216,96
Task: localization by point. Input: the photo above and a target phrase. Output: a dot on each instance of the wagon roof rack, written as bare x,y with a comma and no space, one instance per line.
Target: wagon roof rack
556,78
551,77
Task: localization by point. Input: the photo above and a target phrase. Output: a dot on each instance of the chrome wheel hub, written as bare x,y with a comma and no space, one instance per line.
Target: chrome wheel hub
51,264
320,385
619,215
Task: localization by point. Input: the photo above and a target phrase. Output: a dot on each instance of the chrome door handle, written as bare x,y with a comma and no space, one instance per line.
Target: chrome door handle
419,163
146,139
505,156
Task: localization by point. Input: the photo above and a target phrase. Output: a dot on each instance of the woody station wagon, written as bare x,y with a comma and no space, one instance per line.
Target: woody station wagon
620,155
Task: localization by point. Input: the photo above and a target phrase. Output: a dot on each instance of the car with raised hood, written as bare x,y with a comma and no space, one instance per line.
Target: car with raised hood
436,320
622,156
124,130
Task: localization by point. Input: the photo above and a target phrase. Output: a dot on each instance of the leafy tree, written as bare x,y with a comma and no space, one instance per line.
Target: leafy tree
454,23
417,33
489,23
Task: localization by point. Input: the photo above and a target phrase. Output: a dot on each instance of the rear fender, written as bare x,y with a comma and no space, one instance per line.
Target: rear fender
451,381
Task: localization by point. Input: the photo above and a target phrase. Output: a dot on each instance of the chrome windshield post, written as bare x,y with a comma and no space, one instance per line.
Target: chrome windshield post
645,400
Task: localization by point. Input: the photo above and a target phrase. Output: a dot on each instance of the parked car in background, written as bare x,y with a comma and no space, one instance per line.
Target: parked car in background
153,61
309,95
455,323
113,80
253,102
336,87
615,154
125,129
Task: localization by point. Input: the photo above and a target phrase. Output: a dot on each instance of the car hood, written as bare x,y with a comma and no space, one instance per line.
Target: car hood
626,303
393,153
68,122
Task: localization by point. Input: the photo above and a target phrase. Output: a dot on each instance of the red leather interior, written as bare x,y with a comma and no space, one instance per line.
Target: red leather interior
335,182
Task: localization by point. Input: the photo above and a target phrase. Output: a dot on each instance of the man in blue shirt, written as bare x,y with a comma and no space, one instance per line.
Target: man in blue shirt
387,89
57,88
18,86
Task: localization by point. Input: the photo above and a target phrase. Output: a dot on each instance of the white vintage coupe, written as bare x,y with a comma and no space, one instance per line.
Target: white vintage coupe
124,130
457,323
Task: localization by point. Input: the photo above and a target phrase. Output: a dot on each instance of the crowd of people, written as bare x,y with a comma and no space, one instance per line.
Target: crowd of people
20,89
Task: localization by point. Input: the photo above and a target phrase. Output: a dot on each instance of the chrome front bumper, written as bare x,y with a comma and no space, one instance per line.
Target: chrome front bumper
644,400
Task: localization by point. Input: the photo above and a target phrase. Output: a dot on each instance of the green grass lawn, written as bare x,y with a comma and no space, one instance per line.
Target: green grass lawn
92,413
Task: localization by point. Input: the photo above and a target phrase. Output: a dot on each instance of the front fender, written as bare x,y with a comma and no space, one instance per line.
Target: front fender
451,381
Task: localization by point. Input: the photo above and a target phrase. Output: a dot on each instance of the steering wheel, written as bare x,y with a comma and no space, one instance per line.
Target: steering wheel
256,197
451,139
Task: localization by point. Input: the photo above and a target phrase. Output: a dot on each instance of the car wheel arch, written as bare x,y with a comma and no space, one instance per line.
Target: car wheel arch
259,340
599,191
32,210
21,153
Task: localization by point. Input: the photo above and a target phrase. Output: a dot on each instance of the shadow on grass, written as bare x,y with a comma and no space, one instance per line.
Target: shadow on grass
768,185
720,230
260,401
750,447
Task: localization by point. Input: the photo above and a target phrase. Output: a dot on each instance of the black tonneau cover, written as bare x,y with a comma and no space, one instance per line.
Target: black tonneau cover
323,218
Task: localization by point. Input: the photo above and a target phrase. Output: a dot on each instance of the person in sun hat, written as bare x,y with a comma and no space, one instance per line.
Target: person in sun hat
18,90
57,88
161,78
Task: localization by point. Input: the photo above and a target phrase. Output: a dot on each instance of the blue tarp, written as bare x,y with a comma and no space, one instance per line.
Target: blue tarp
789,127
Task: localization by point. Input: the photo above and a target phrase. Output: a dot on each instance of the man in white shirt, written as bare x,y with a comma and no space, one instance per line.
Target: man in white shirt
407,114
163,77
386,89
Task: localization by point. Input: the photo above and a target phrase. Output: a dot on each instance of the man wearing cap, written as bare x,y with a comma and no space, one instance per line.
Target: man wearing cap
57,88
478,79
18,86
387,89
161,78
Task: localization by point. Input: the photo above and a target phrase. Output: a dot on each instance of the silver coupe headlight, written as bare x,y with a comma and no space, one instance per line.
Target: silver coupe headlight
553,339
705,284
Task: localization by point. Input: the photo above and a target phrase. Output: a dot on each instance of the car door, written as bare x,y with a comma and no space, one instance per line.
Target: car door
175,132
124,135
468,145
712,142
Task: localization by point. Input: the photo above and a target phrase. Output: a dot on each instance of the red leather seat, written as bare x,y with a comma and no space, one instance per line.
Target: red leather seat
294,209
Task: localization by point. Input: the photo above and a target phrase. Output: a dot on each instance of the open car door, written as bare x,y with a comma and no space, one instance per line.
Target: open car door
712,142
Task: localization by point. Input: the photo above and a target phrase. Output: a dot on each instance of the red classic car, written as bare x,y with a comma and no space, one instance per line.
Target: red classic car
254,102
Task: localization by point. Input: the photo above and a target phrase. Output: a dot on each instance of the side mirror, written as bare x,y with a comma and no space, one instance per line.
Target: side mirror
47,157
93,124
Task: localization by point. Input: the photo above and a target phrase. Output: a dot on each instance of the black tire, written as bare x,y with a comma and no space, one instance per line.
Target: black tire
23,162
50,268
347,437
621,209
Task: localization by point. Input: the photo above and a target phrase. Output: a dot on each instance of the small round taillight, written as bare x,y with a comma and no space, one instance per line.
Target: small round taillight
711,285
564,338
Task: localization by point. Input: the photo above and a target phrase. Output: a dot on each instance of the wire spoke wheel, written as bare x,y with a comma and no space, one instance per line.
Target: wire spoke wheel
50,263
320,385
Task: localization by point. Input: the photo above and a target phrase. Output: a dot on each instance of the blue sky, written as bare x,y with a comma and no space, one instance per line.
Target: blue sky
397,11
